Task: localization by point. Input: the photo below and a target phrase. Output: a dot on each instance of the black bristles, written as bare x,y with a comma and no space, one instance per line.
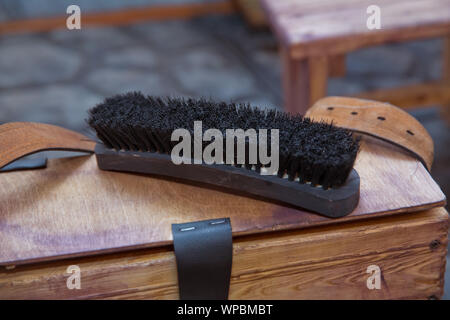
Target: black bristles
314,152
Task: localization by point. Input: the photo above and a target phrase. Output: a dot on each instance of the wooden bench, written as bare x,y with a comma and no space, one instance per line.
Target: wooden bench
315,36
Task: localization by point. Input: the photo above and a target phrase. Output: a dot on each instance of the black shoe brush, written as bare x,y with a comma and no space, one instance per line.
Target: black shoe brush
315,159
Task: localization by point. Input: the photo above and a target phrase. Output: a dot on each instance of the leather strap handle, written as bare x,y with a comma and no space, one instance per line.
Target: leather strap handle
18,139
381,120
203,251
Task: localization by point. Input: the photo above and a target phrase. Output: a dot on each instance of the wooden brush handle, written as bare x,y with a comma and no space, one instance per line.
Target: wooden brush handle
381,120
333,202
18,139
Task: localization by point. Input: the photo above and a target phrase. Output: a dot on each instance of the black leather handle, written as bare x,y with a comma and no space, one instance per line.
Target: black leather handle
203,251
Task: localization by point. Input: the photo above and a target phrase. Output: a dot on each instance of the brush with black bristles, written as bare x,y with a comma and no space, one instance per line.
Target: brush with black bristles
316,159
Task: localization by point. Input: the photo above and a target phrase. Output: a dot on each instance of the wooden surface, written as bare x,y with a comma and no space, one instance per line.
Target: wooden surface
120,17
295,83
317,263
72,208
337,65
412,96
252,12
318,74
338,26
18,139
315,36
378,119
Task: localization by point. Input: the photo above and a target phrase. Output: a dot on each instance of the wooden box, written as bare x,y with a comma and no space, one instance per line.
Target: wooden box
328,262
115,227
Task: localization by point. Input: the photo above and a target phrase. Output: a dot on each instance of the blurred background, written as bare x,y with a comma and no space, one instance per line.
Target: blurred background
199,49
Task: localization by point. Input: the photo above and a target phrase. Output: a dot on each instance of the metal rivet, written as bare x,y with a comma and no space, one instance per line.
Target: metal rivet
218,222
187,229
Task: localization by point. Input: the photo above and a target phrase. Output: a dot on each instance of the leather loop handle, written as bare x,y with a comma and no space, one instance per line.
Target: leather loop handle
381,120
18,139
203,251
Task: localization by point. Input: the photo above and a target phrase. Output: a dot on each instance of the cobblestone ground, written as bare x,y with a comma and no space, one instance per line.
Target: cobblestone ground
55,77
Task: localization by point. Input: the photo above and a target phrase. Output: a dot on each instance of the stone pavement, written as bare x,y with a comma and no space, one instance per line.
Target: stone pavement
56,77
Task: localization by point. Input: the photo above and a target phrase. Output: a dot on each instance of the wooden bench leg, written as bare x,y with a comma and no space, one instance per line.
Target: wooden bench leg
304,81
295,83
446,76
337,65
318,78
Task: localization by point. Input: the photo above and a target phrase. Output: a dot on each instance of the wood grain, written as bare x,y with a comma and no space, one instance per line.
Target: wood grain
316,263
337,65
18,139
295,83
412,96
318,79
74,209
378,119
310,28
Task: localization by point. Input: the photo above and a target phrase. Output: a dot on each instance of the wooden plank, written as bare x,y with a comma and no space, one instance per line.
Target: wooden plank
337,65
125,16
318,78
412,96
74,209
317,263
252,12
339,26
295,83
